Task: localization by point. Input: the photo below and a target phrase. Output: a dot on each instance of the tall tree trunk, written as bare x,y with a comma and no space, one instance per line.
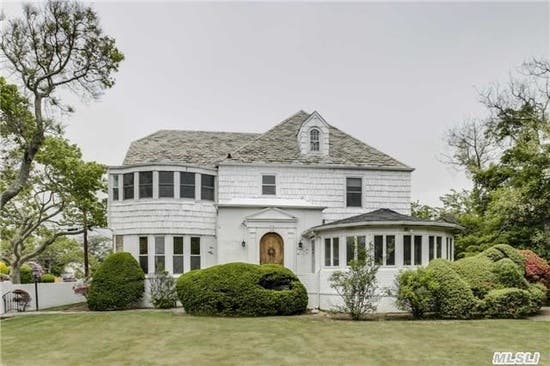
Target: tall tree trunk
15,273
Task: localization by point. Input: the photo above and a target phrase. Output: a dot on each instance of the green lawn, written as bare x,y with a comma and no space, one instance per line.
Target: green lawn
166,338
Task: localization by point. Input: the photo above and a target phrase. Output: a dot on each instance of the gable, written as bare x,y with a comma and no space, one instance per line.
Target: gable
314,122
271,215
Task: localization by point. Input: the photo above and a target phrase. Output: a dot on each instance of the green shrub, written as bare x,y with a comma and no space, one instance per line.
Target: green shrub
493,254
47,278
538,295
453,298
25,271
415,290
241,289
508,274
507,303
163,291
478,274
117,283
4,269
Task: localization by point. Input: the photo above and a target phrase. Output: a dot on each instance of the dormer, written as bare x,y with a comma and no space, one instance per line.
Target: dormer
313,137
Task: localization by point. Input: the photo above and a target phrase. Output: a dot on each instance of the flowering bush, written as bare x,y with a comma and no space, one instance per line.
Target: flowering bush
536,268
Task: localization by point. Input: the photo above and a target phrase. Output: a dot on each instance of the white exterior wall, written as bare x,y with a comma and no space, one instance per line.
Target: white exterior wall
319,186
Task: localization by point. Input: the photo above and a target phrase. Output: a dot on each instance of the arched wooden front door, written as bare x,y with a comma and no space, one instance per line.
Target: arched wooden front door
272,250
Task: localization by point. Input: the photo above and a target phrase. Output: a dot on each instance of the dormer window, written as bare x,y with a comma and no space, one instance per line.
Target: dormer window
314,140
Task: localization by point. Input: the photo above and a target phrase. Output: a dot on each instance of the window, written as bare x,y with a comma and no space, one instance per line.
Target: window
390,250
353,244
166,184
143,254
115,187
145,184
431,247
187,185
417,249
207,187
195,253
313,256
159,254
119,243
268,184
353,192
332,251
178,255
438,241
314,140
407,250
378,249
128,186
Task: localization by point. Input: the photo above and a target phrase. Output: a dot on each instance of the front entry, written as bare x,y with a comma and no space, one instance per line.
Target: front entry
272,249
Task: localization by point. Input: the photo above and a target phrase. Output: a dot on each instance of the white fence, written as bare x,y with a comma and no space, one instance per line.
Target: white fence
49,294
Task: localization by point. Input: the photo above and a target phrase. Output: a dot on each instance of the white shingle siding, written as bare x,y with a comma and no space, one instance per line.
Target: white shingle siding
322,187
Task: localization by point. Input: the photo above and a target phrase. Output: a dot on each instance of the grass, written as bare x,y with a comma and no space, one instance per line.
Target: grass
167,338
79,306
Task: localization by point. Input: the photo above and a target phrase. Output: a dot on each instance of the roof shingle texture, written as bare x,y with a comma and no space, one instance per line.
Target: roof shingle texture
278,145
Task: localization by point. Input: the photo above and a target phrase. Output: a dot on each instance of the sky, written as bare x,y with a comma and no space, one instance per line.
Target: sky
395,75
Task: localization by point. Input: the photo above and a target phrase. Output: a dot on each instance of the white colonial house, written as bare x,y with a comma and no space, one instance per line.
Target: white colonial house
302,194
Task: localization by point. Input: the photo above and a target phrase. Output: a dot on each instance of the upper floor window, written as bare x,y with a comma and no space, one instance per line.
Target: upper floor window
115,187
354,192
145,184
166,184
128,186
187,185
268,184
314,140
207,187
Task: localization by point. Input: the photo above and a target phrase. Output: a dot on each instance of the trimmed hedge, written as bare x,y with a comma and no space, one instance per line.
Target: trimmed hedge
509,274
415,290
478,273
47,278
507,303
537,269
117,284
453,298
242,289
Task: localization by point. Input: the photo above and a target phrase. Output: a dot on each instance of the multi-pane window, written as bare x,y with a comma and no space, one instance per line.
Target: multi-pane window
314,140
128,186
119,243
418,249
143,254
207,187
115,187
145,184
187,185
407,250
195,253
353,192
268,184
384,249
354,244
159,254
332,252
166,184
431,247
178,255
438,242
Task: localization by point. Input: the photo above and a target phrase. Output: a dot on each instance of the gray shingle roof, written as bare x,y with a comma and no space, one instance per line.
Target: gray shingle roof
185,147
385,215
278,145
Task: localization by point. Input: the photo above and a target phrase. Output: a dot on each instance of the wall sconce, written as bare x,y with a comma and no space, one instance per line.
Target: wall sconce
243,244
300,245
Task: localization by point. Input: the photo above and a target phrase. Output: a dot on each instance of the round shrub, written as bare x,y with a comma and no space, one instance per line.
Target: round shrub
453,298
242,289
415,290
47,278
478,274
508,274
4,269
25,273
537,269
117,284
538,295
507,303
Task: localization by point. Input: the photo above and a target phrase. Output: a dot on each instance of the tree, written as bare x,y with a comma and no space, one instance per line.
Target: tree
59,45
59,254
60,187
357,286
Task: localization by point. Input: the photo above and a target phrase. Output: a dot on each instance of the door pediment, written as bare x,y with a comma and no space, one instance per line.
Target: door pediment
271,215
